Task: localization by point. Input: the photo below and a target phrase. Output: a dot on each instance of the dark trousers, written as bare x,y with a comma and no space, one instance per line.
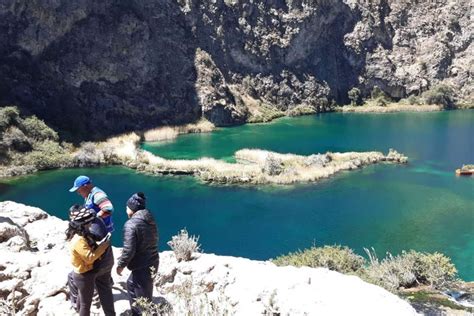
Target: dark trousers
140,284
81,287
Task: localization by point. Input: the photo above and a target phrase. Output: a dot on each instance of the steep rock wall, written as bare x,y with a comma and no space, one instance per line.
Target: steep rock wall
92,69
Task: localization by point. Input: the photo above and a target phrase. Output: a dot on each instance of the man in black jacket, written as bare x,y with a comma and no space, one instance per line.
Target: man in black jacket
140,250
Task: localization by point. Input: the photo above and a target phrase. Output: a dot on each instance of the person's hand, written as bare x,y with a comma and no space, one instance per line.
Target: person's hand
119,270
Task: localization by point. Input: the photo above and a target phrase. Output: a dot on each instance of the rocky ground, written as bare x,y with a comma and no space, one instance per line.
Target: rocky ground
34,262
147,63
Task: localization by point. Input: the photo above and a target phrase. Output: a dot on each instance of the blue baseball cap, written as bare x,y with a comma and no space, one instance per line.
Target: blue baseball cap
79,182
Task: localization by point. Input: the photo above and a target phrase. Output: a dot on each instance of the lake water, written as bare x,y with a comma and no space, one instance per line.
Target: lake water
421,206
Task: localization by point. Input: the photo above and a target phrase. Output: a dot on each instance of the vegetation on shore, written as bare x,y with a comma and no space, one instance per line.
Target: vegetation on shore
435,99
256,166
28,144
31,145
406,270
171,132
427,274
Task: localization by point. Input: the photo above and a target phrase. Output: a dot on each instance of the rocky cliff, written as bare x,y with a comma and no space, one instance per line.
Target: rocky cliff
34,262
96,68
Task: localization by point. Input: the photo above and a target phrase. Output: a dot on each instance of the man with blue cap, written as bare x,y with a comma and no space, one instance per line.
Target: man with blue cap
95,199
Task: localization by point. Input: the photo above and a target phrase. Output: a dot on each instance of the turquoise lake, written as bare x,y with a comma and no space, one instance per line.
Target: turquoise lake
421,206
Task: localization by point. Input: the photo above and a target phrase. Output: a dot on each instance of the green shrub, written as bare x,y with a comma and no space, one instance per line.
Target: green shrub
337,258
440,95
377,93
13,171
391,272
378,97
47,155
434,269
381,101
354,96
409,269
37,129
413,100
9,115
15,139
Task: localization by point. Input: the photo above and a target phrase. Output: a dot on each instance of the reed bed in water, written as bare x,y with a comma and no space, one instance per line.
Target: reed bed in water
171,132
255,166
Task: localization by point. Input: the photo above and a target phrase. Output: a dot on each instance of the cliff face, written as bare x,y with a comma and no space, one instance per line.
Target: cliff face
92,69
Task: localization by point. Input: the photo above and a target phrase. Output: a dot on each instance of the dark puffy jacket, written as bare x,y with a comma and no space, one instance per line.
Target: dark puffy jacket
140,242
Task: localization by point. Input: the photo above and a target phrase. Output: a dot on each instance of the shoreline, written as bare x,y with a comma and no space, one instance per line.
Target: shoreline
107,152
252,167
171,132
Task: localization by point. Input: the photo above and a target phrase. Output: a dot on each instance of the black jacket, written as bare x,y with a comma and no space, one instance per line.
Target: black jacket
140,242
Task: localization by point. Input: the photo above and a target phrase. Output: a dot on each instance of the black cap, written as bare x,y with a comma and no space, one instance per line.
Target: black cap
137,202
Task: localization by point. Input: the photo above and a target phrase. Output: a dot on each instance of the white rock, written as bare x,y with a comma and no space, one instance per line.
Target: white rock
55,305
16,244
47,233
207,285
8,230
20,213
255,287
51,275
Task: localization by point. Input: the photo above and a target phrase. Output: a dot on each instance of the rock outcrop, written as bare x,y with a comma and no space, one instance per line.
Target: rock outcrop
92,69
33,279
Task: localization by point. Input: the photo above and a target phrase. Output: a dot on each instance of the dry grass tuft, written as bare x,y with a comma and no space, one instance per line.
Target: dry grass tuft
171,132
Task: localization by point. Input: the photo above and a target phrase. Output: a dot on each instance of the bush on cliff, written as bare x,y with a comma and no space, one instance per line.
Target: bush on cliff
355,96
440,95
47,155
378,98
15,139
413,100
28,144
38,129
409,269
337,258
8,116
184,245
